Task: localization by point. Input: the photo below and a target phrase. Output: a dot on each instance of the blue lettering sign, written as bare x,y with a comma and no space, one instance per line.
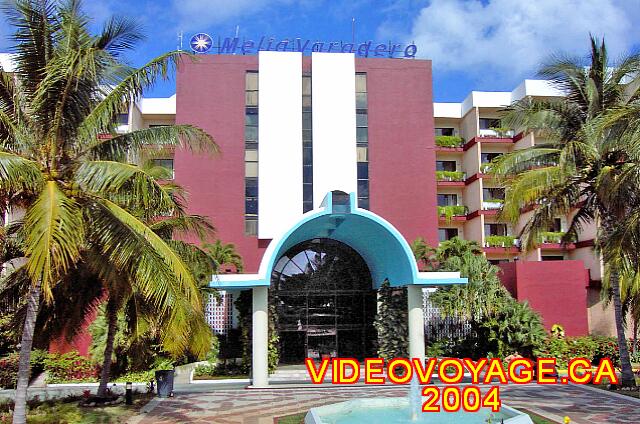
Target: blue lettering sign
203,43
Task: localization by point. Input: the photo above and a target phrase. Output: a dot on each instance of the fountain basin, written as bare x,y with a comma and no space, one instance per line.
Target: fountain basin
398,411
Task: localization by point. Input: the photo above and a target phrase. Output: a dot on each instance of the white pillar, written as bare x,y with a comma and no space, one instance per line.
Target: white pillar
260,364
416,322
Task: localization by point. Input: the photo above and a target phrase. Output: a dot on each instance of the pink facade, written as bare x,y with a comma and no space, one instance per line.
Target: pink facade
556,289
211,95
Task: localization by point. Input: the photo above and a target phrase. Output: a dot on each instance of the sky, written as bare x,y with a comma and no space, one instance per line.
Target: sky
484,45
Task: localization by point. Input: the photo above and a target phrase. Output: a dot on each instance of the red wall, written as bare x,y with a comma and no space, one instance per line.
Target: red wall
556,289
402,158
210,95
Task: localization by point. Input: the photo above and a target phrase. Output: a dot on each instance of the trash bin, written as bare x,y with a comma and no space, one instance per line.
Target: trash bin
164,380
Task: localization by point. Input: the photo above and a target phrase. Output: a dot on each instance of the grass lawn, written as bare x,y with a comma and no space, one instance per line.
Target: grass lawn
64,412
299,419
292,419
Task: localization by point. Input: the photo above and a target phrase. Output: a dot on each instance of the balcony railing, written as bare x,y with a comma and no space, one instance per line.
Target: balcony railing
500,241
485,168
449,141
452,210
492,204
554,237
450,176
497,132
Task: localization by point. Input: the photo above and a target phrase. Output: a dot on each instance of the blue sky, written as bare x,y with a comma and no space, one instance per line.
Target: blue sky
474,44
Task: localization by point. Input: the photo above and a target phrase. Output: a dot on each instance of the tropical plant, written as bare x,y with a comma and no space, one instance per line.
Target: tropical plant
224,254
391,322
425,255
452,210
456,247
500,241
449,141
581,168
450,175
75,188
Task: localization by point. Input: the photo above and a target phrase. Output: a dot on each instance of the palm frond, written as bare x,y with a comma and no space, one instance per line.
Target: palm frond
54,234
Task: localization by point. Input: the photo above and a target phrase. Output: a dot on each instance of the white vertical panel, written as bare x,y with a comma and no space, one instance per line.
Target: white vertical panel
279,142
334,124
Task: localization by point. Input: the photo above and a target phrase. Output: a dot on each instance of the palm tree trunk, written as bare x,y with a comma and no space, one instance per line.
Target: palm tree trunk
628,379
112,323
24,367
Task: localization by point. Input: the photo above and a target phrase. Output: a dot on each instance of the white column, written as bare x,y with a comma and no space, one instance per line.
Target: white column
335,157
260,364
280,147
416,322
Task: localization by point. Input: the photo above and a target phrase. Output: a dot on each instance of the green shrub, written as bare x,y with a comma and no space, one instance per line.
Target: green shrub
499,241
391,322
450,176
9,371
606,347
214,352
451,211
205,370
136,377
69,367
449,141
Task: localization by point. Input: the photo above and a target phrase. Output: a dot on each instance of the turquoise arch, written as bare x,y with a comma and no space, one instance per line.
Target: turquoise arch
380,244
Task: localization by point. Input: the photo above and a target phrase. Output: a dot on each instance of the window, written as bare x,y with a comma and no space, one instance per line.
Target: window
556,227
307,145
362,140
495,229
488,157
498,261
488,123
447,233
164,163
251,122
445,131
492,194
122,118
447,199
552,258
446,165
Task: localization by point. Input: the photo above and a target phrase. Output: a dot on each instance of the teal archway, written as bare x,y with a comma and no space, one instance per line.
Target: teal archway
380,244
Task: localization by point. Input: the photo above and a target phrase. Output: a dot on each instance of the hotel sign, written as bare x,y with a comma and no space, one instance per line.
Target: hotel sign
203,43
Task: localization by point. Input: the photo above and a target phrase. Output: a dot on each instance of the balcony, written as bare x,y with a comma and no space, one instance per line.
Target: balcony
492,204
450,141
450,176
452,211
496,132
500,241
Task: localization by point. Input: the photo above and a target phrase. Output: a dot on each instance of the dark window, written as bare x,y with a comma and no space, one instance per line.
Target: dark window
552,258
307,145
492,194
444,131
447,233
164,163
122,118
251,120
488,123
445,165
498,261
362,140
556,227
488,157
447,199
495,229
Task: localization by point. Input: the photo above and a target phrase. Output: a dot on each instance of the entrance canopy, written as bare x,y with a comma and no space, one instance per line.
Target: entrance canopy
381,245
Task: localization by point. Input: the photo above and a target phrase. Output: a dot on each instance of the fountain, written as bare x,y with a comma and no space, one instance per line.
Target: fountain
406,410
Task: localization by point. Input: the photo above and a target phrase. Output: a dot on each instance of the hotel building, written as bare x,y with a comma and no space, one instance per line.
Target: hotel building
330,166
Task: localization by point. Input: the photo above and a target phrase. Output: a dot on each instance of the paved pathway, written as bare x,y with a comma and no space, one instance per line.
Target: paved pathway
228,406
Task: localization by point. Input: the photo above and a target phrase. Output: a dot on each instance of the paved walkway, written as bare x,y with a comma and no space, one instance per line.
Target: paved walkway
228,406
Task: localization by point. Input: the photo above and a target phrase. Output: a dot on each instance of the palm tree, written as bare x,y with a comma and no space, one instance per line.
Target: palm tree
224,254
75,188
581,168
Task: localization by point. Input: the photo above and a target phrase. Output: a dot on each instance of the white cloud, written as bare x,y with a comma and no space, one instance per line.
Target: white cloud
508,39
